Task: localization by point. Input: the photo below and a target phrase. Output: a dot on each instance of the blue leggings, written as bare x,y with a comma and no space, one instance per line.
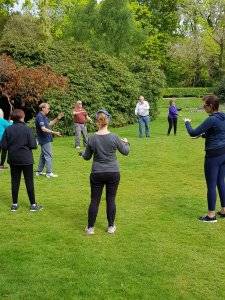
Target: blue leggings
214,175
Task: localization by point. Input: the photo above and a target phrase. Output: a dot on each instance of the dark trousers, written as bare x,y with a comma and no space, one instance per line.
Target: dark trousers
16,172
97,182
3,156
172,124
214,175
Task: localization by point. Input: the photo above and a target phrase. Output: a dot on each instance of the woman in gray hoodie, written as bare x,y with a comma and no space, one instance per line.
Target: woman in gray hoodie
105,169
213,130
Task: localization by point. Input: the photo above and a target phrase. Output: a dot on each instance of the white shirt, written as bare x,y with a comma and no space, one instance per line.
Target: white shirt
142,109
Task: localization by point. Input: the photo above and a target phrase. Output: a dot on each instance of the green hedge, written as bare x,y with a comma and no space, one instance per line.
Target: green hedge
186,92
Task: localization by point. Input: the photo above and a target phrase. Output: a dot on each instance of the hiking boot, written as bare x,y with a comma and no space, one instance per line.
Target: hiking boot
14,207
35,207
208,219
51,175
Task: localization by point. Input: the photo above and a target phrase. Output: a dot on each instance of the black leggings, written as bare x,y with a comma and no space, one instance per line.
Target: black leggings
3,156
172,123
97,182
16,172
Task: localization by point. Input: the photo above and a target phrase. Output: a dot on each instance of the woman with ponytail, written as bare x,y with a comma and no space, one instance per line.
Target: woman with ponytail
105,169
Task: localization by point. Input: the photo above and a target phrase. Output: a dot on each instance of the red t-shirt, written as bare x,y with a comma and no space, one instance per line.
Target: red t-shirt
80,118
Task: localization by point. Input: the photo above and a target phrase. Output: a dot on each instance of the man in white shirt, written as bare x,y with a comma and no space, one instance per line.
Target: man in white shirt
142,113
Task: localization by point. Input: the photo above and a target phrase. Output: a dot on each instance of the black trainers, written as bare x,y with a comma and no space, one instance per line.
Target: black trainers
14,207
208,219
35,207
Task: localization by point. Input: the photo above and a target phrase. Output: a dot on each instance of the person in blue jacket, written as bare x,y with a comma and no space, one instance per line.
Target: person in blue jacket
3,125
213,130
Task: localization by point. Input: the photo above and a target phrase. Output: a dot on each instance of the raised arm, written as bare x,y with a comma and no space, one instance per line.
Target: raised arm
57,119
201,129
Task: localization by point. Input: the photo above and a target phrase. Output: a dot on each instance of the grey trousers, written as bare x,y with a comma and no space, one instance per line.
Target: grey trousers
45,158
80,129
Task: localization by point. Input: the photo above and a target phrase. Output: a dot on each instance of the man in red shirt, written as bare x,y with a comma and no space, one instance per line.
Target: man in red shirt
80,118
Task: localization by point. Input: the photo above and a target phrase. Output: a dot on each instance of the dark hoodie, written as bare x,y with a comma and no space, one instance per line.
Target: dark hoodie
213,129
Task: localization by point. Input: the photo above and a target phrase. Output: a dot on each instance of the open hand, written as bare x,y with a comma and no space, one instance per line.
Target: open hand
60,115
187,120
57,133
125,140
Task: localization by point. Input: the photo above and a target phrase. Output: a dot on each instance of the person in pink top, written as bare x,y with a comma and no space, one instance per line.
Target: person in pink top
80,118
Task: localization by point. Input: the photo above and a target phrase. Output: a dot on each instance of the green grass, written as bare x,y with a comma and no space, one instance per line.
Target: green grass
160,251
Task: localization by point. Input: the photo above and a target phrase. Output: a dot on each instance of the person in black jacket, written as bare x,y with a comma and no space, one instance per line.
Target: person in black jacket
19,141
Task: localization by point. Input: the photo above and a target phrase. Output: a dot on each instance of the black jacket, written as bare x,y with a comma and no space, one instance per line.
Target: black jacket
18,139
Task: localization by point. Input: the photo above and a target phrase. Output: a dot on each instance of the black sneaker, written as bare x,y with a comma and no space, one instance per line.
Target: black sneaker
14,207
35,207
208,219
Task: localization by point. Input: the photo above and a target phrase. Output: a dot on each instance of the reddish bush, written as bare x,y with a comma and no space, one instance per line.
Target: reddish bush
27,84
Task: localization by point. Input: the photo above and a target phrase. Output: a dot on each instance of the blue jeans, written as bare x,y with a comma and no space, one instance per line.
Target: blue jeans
214,175
144,125
45,158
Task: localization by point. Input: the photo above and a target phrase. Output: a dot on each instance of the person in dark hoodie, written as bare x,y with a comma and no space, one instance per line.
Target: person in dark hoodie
213,130
19,141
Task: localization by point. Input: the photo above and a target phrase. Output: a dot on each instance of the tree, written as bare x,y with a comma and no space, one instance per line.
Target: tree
116,29
22,38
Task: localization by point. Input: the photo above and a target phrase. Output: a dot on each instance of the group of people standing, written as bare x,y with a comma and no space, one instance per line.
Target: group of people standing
19,141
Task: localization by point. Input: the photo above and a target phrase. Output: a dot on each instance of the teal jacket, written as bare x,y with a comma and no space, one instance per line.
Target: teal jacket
3,125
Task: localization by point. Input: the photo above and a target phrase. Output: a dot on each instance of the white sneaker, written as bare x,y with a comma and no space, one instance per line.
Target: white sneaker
40,173
77,147
51,175
111,229
90,230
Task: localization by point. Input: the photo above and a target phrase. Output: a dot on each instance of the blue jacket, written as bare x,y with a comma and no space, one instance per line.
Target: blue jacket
212,129
3,125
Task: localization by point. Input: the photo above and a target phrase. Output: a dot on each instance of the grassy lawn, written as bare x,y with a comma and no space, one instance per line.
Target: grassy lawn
160,250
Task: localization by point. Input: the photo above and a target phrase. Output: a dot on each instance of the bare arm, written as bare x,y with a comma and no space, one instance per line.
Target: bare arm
44,129
56,120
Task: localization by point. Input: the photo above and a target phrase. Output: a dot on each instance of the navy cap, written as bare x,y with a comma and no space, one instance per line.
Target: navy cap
104,112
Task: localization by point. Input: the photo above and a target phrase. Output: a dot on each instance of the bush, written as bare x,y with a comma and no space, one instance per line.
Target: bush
220,90
99,80
186,92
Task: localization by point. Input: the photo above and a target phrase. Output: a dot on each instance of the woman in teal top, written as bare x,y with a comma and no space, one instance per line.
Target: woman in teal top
3,125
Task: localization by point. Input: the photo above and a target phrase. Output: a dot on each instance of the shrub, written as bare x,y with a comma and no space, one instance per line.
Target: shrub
220,90
186,92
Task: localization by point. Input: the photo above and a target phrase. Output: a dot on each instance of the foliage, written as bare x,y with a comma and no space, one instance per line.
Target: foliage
186,92
27,84
220,90
5,6
96,79
22,39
